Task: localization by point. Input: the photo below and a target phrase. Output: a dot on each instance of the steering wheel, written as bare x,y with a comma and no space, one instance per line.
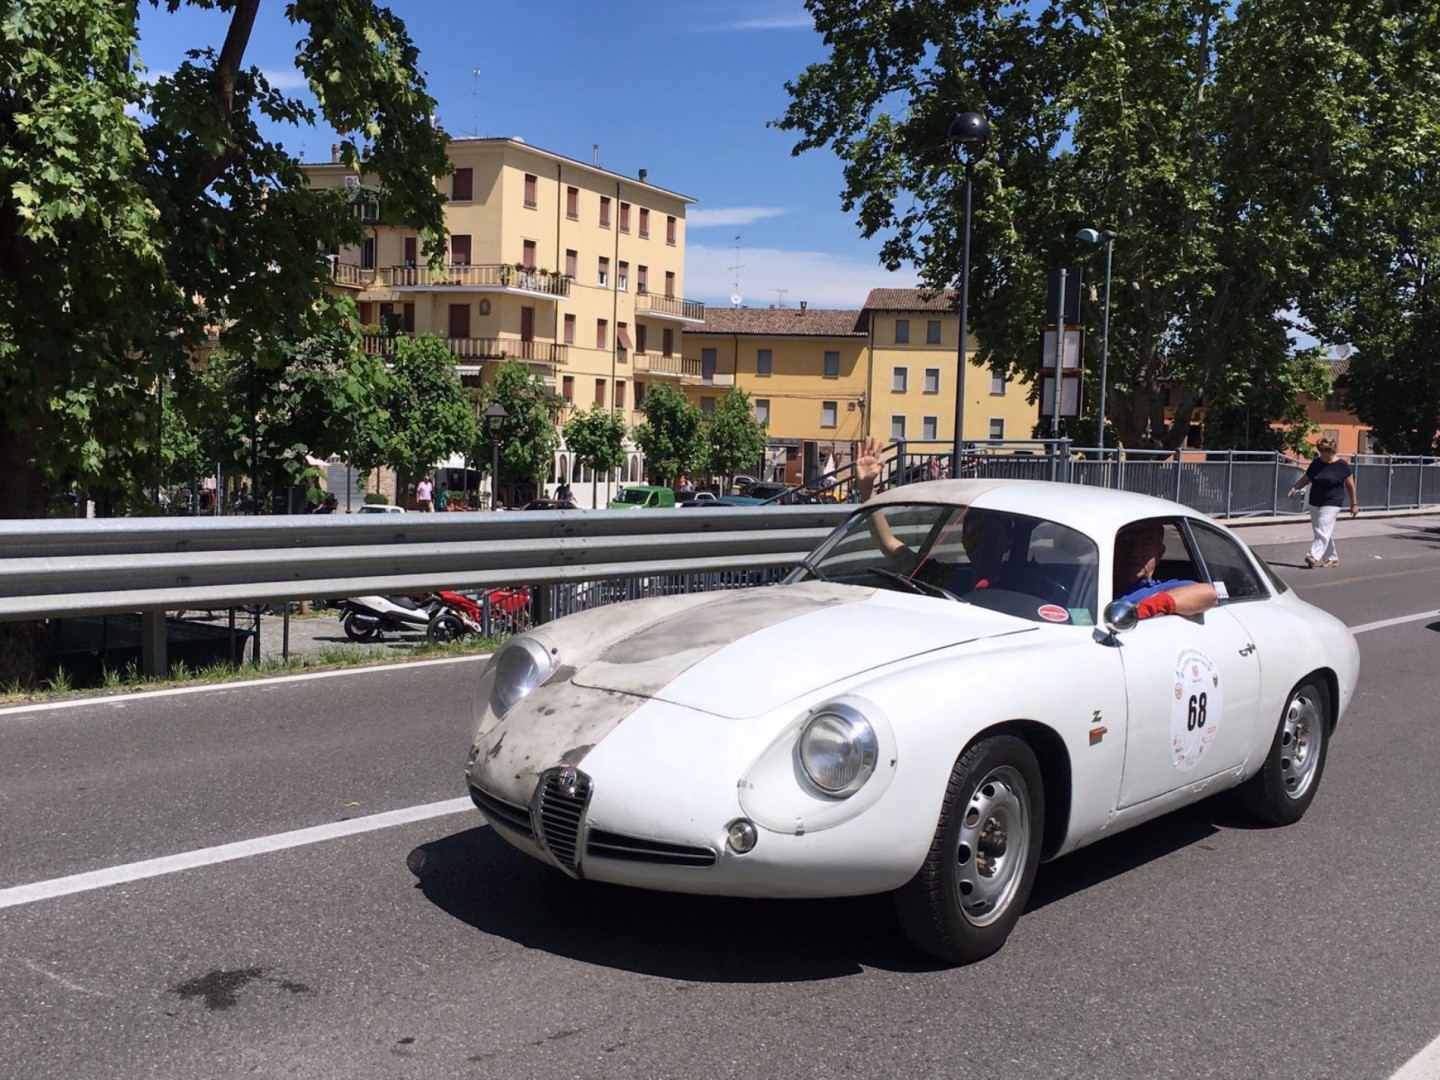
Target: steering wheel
1029,579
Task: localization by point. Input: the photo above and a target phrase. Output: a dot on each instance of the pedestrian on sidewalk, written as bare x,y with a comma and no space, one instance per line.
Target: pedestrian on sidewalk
424,492
1330,480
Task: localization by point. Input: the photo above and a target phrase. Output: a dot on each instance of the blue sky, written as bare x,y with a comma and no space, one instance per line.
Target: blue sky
683,90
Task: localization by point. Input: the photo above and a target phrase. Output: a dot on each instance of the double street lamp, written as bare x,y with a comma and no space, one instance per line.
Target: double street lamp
494,413
1106,237
969,131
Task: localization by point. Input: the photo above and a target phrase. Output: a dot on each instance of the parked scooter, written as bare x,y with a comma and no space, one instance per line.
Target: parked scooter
365,618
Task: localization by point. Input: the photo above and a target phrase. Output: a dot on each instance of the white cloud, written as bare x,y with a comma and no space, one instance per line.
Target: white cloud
799,21
705,218
286,80
821,279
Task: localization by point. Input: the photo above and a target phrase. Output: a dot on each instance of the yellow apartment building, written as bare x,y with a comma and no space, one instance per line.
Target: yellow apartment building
913,348
575,270
806,371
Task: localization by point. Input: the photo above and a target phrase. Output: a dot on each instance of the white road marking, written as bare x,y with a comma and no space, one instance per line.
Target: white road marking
33,966
1423,1066
140,696
1394,622
243,849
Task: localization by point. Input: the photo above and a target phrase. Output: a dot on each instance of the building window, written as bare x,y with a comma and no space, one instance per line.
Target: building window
897,427
764,361
639,393
622,277
572,203
411,243
367,254
997,429
530,199
832,364
900,380
640,339
599,391
1335,401
829,414
528,254
1365,442
604,211
670,284
707,405
642,278
568,383
462,185
624,217
407,314
997,383
619,393
569,329
762,410
932,380
644,223
572,264
902,331
1333,434
670,230
622,340
929,427
603,275
459,250
602,333
932,332
667,343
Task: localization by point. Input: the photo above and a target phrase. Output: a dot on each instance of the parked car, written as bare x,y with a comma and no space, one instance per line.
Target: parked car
643,496
724,500
927,741
684,498
380,508
548,504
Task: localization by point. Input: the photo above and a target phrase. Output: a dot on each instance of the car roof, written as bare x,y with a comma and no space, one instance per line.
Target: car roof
1095,511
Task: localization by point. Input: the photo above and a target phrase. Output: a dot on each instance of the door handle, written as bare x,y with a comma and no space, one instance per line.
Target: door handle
1248,649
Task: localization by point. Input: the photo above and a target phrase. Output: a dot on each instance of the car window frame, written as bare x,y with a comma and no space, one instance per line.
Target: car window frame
1191,525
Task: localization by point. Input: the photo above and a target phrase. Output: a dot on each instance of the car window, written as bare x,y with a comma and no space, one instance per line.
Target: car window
1226,562
634,496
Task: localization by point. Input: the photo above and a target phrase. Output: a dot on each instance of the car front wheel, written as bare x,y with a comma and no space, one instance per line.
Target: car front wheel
968,895
1285,786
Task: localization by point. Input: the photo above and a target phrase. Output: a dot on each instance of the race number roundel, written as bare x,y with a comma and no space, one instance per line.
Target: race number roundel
1196,711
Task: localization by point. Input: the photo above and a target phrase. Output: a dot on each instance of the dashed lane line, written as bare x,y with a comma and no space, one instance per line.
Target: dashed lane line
1367,627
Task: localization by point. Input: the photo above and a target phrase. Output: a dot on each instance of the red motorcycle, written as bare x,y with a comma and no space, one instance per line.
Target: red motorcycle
457,615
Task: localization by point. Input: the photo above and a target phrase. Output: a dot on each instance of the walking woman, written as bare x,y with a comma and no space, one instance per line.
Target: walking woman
1330,480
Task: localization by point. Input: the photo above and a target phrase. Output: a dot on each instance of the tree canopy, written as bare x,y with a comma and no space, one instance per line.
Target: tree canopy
526,434
1201,132
734,438
596,439
429,416
126,240
671,436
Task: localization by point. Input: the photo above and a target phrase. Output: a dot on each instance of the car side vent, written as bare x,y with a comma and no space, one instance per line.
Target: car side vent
561,800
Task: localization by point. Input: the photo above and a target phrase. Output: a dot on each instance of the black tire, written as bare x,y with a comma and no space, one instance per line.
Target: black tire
995,798
355,633
445,627
1285,786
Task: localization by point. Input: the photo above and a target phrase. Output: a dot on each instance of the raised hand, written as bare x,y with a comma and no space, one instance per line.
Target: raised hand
867,466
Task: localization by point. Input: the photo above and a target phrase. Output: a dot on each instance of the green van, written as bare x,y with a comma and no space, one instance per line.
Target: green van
643,497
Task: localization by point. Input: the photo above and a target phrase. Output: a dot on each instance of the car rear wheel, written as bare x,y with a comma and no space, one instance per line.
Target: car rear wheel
968,895
1285,786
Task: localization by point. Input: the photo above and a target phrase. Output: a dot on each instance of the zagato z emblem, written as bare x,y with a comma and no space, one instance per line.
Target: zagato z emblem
568,780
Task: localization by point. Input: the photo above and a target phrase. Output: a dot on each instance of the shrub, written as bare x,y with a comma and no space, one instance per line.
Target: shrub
374,498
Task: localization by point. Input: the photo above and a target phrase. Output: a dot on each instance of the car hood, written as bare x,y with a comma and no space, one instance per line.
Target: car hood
752,650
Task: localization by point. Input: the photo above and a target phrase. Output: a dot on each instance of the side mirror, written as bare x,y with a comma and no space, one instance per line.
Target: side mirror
1120,615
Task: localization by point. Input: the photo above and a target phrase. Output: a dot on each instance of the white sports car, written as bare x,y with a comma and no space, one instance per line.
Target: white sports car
942,696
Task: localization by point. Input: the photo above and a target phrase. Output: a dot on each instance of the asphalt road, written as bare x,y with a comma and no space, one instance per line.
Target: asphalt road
1195,946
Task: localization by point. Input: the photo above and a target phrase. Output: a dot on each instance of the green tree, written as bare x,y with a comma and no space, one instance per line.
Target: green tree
1199,130
735,438
671,436
596,439
430,416
112,225
526,434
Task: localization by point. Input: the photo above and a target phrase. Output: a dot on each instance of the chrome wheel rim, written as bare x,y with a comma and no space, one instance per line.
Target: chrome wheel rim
1302,742
993,845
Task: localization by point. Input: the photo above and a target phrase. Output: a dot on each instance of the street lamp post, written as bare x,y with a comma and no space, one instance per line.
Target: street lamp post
970,131
1107,236
493,413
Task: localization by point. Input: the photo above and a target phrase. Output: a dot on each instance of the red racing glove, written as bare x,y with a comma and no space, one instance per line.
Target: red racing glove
1161,603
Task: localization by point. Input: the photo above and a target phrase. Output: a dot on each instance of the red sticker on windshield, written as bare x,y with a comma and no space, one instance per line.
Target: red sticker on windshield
1051,613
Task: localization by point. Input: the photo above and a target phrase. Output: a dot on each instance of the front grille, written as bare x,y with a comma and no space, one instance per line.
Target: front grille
560,804
608,845
505,814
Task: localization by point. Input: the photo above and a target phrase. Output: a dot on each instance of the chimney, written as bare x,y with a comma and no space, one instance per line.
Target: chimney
365,153
334,153
643,174
595,154
803,305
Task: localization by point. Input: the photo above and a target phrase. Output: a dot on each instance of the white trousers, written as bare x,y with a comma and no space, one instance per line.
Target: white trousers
1322,521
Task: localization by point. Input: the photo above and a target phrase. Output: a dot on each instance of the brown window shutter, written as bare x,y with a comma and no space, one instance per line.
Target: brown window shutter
462,185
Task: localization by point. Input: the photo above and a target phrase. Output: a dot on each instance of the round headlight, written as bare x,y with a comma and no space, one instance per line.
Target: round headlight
837,750
520,667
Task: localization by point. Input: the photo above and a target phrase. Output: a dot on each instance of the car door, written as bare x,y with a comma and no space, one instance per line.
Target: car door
1192,688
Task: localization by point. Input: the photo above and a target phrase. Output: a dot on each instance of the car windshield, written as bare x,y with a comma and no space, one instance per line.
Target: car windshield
1025,566
634,495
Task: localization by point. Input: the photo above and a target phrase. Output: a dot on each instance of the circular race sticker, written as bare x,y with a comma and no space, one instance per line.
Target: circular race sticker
1195,712
1053,613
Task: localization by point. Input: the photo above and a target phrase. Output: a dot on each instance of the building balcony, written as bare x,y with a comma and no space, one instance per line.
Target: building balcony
669,307
531,352
349,275
378,344
501,277
659,364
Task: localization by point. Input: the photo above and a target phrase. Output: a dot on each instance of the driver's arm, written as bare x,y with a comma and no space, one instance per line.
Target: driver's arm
1181,600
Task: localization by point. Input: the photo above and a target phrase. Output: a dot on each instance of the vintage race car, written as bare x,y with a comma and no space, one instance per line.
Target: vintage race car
941,697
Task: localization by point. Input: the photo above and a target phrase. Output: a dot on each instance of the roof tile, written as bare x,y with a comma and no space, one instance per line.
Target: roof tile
785,322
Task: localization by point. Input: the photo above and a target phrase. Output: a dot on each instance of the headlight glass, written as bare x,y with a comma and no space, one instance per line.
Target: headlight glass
520,667
837,750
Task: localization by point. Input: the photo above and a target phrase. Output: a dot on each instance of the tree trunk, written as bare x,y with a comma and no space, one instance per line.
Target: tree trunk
23,652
